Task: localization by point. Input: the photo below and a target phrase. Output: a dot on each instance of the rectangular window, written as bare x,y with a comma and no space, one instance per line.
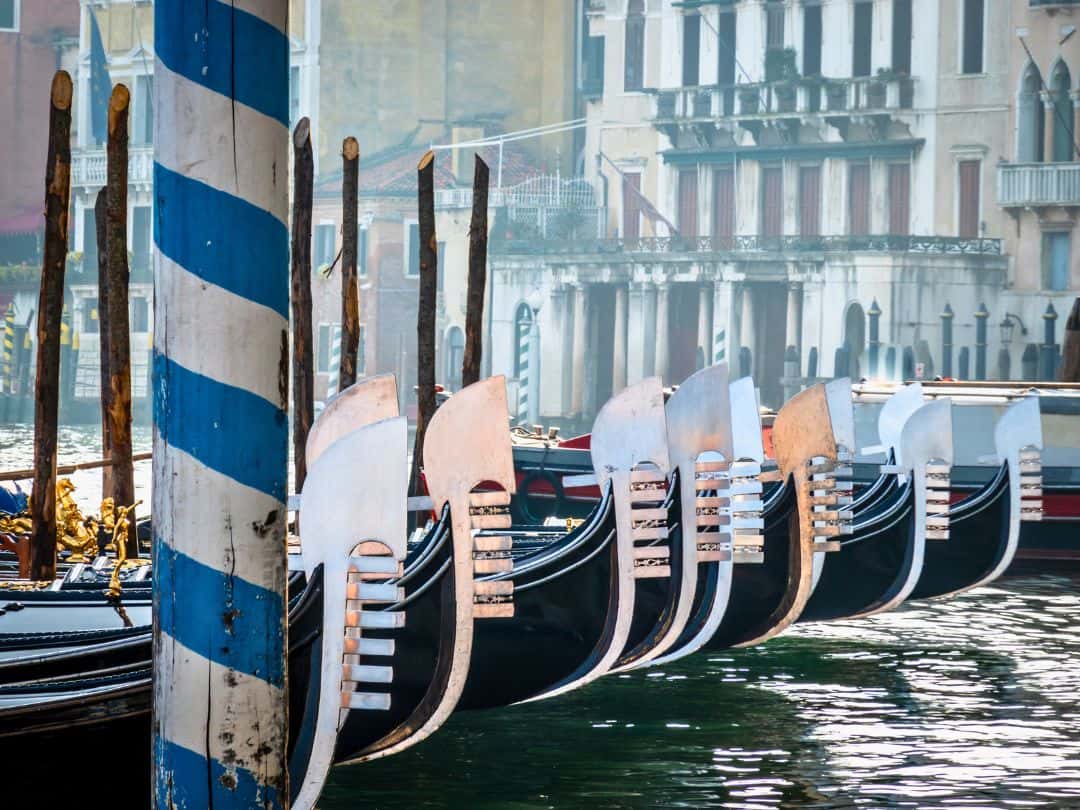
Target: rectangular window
974,22
862,39
91,318
412,258
325,245
858,199
810,201
294,95
142,132
727,42
774,25
362,251
329,333
89,235
812,41
969,171
772,201
1056,248
688,224
140,237
9,15
634,53
724,206
899,199
691,50
140,314
901,36
631,186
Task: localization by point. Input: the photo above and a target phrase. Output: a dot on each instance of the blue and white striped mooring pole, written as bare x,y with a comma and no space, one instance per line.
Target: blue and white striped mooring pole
220,399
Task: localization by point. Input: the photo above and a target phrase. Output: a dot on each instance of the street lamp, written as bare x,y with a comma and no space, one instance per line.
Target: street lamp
1008,327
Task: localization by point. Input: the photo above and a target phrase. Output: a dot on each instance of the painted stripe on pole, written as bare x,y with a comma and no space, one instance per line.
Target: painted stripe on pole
227,244
235,60
219,330
238,173
224,788
221,444
721,351
227,428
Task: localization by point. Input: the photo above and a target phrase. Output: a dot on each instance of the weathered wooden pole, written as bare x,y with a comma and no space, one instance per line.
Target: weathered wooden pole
303,372
350,290
101,213
1049,347
1070,348
474,298
221,388
50,310
115,320
425,316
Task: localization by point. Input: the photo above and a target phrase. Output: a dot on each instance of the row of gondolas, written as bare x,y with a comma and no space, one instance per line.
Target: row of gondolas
694,541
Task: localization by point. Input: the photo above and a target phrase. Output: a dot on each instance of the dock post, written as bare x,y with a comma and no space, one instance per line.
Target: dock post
101,213
221,380
50,309
425,319
115,320
303,371
947,316
350,285
474,298
981,316
874,348
1070,351
1049,347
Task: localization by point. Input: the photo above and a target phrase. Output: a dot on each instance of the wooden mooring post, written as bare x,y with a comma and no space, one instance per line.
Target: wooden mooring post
101,213
115,321
221,385
50,310
350,237
474,297
1070,347
425,316
303,387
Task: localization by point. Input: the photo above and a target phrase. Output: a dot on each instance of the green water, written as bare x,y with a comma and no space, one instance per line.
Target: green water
966,703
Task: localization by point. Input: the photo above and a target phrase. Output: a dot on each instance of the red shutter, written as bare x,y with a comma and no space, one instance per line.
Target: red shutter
899,199
630,206
724,207
772,201
810,201
969,198
858,199
688,203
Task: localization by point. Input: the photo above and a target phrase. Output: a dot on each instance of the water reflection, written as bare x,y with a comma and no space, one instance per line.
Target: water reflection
967,703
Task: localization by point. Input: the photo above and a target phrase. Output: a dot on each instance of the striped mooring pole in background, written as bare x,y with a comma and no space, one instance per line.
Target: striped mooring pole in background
335,360
9,348
525,332
720,353
220,398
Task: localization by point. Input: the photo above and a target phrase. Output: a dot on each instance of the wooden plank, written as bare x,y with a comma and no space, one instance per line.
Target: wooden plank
350,289
474,297
115,320
50,310
303,354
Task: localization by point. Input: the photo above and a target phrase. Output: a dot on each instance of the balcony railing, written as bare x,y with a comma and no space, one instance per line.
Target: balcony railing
747,246
88,166
1024,184
785,98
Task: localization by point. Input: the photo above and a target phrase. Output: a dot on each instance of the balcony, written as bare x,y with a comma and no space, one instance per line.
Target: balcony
747,247
88,166
784,99
1038,184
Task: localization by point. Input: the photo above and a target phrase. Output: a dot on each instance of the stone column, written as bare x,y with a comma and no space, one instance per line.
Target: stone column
562,309
1048,127
746,329
794,316
662,301
636,319
577,380
704,325
618,365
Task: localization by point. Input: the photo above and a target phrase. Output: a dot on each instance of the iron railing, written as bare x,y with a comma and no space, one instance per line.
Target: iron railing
88,166
1022,184
744,245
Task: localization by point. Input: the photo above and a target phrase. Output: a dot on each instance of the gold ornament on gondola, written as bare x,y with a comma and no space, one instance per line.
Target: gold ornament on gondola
120,526
75,532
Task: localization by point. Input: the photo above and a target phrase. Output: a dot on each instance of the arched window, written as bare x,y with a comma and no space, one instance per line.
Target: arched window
1031,120
634,52
1060,87
522,325
455,355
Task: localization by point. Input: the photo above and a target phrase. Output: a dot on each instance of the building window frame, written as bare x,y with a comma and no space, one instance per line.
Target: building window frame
962,46
407,269
14,29
1047,271
636,19
960,159
320,260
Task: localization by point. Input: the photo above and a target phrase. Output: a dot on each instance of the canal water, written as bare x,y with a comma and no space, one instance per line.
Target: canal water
966,703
